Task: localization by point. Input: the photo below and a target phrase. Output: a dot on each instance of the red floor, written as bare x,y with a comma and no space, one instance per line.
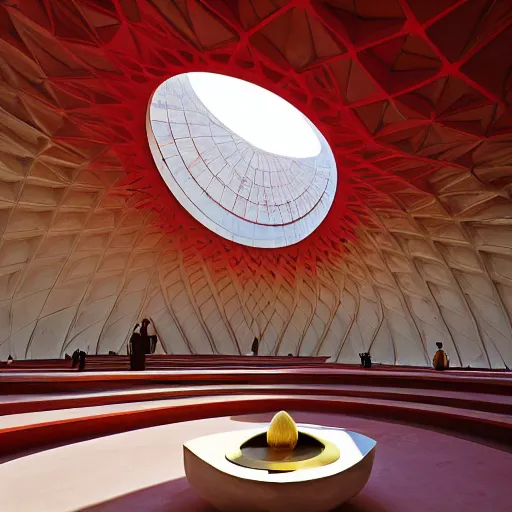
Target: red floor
416,470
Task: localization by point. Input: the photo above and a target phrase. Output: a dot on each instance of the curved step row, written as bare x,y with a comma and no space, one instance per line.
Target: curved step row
41,408
19,404
34,430
70,382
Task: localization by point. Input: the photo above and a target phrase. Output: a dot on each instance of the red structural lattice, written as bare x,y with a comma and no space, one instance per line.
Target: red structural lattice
413,96
401,89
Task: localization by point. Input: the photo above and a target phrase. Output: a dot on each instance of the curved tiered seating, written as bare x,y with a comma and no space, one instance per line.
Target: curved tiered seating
74,419
162,362
22,382
53,407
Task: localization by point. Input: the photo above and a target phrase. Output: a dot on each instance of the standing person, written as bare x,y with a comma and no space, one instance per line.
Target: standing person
152,337
81,364
441,361
75,357
137,354
145,335
255,346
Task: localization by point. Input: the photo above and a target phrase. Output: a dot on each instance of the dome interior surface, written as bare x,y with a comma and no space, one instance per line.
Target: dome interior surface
414,99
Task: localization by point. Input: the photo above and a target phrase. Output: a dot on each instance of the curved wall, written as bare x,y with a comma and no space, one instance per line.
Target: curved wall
416,248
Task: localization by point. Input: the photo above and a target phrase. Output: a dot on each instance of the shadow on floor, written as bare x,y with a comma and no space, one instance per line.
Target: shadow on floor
172,496
362,504
178,496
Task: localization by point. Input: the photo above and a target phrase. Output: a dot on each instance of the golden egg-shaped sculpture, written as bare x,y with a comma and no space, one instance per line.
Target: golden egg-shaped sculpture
282,434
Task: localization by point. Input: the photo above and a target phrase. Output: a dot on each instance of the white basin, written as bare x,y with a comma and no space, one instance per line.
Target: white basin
232,488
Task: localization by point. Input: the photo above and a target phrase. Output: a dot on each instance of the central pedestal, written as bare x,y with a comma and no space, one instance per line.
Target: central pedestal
230,487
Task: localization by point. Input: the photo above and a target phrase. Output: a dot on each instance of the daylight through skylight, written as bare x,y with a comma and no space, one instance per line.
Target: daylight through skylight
229,159
259,116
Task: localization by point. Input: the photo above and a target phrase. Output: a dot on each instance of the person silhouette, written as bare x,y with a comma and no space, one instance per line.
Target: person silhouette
440,361
81,361
145,336
366,359
152,336
255,347
75,358
136,348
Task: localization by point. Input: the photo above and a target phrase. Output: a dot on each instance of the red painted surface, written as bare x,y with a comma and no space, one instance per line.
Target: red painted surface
466,413
58,382
373,81
17,404
415,470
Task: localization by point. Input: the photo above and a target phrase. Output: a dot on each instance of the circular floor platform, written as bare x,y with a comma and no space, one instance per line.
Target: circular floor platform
415,469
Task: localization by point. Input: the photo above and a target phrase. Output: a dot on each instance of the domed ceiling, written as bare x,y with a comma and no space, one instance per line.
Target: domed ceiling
414,98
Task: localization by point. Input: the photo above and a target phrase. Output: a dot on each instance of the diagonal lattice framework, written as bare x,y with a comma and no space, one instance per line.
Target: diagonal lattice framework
414,99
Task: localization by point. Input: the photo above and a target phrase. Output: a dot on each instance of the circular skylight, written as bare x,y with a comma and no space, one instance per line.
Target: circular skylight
288,133
228,167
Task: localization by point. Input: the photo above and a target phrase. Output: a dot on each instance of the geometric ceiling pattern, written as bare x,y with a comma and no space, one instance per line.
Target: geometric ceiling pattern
413,97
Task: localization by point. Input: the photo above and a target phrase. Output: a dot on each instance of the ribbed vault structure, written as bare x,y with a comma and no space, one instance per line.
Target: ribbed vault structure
412,96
